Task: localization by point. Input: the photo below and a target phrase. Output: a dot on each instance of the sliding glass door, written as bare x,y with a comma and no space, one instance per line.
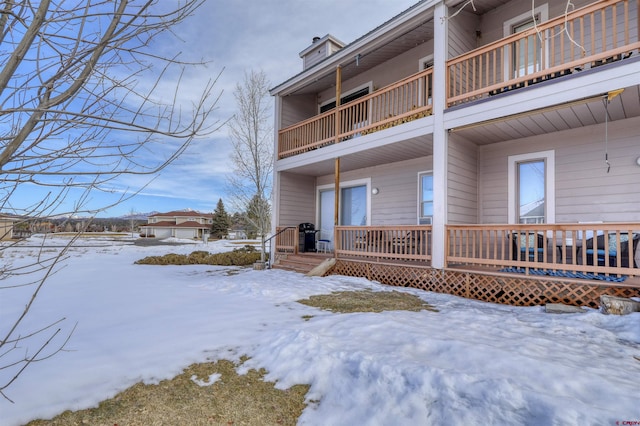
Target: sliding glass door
353,209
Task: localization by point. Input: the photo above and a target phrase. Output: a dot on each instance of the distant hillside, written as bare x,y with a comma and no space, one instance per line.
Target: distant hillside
137,216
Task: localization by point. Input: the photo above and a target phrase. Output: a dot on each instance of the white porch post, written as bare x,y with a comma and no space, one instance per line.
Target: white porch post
275,184
440,149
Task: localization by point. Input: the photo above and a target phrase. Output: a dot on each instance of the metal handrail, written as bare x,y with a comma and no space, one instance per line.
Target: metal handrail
271,238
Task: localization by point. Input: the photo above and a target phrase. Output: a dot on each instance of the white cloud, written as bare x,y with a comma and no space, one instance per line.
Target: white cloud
238,36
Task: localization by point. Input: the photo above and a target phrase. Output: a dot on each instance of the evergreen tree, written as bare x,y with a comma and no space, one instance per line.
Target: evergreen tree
258,217
221,221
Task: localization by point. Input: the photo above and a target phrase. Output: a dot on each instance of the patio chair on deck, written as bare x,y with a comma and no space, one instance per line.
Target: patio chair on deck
600,254
528,246
323,241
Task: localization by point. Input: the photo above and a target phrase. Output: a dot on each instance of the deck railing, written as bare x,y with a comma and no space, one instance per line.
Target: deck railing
572,250
398,103
287,238
605,251
602,32
384,243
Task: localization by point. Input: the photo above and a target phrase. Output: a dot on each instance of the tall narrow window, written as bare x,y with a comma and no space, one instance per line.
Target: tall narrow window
526,55
426,63
425,214
531,185
531,178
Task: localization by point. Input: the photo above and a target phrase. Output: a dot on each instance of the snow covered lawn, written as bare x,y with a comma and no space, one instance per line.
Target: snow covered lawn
469,363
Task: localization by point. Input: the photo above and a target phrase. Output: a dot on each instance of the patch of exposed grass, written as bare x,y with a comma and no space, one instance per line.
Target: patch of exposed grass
231,400
242,256
367,301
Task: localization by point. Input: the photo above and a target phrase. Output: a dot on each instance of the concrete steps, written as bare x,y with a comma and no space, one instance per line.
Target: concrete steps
302,263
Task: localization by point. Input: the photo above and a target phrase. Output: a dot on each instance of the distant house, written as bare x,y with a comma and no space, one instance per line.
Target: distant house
178,224
237,234
6,227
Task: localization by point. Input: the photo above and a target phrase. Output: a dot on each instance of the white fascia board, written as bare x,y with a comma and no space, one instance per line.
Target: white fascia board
347,53
416,128
581,85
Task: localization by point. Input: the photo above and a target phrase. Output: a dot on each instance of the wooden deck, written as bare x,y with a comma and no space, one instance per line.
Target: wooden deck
489,284
494,263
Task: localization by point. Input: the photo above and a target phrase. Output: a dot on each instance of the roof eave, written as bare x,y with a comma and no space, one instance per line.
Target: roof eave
347,53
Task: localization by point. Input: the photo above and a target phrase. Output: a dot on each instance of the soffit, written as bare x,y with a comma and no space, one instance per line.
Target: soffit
392,153
477,7
369,56
555,119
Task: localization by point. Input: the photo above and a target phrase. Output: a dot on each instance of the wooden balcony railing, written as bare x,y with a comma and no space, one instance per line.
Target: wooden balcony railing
403,101
604,31
601,251
569,250
287,238
384,243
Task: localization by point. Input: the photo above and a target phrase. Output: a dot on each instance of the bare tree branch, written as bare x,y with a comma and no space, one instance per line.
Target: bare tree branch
252,155
85,98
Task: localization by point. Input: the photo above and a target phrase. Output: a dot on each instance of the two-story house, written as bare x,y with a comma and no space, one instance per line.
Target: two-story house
178,224
486,149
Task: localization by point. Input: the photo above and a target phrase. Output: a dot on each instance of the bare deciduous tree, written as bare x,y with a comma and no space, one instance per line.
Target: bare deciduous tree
85,98
251,136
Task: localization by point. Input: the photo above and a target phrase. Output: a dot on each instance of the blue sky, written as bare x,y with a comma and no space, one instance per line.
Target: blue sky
234,36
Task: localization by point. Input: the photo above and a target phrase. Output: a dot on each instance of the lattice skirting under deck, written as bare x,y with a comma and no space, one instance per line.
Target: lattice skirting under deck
518,290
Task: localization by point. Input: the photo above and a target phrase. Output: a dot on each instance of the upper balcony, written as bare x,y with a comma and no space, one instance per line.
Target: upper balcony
399,103
581,41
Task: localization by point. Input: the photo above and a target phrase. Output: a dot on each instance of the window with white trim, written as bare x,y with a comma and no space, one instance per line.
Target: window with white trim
531,182
526,54
425,196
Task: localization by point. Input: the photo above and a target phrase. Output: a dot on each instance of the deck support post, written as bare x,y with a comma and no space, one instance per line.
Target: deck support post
336,204
440,138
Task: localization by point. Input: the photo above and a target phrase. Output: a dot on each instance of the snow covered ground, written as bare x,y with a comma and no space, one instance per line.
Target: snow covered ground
469,363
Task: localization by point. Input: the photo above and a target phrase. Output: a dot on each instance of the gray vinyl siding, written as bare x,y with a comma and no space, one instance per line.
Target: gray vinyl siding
462,33
462,183
491,23
315,56
297,199
397,201
584,191
296,109
384,74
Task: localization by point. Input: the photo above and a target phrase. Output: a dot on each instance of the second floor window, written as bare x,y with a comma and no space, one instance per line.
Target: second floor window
345,99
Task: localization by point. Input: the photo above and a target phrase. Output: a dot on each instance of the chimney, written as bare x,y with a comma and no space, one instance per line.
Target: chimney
320,48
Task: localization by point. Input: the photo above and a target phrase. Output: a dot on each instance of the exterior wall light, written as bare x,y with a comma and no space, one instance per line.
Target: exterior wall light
375,191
